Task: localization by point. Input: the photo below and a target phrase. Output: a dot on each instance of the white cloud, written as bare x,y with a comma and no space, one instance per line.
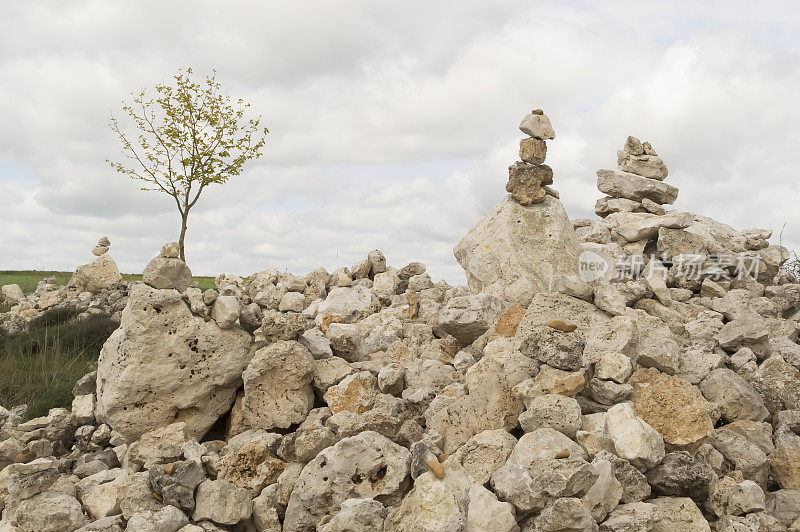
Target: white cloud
392,124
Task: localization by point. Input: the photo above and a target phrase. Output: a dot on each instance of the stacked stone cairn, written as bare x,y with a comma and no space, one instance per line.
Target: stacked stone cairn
96,289
371,398
529,179
638,185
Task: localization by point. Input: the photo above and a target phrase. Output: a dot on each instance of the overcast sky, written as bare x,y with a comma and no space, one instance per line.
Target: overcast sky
392,123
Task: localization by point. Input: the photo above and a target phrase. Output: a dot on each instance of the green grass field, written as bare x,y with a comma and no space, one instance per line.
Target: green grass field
40,367
27,279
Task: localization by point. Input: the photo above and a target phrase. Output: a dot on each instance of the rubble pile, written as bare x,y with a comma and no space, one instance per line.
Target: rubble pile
635,372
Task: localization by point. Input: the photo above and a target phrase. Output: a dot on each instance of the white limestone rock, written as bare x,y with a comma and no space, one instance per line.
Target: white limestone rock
163,272
515,251
93,277
634,187
192,367
367,465
633,439
277,386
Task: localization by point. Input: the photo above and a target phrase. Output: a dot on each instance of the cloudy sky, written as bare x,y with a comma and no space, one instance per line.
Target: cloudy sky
392,123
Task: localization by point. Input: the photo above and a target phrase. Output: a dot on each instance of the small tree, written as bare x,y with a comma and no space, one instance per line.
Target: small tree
190,136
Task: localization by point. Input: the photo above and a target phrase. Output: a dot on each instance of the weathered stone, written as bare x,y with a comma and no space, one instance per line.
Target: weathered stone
538,126
167,519
434,504
733,495
485,512
364,466
634,440
566,513
163,273
614,366
736,399
673,407
681,474
277,386
484,453
99,274
357,515
648,166
49,511
11,294
489,403
193,367
468,317
634,483
544,465
349,304
606,493
222,502
517,251
225,311
778,383
532,150
552,411
355,393
175,482
634,187
562,350
526,182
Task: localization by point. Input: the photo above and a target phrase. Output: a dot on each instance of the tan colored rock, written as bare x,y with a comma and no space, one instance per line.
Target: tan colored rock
526,182
634,187
277,386
517,251
551,380
248,461
532,150
192,367
508,323
367,465
537,125
672,406
99,274
355,393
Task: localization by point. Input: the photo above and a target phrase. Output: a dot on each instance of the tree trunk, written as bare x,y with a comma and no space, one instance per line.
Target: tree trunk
183,236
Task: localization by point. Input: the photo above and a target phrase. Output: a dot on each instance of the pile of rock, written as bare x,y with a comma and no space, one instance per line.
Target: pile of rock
526,241
529,179
96,289
372,398
638,185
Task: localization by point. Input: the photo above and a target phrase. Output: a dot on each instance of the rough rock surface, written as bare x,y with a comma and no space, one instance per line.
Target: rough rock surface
193,367
99,274
651,396
277,386
517,251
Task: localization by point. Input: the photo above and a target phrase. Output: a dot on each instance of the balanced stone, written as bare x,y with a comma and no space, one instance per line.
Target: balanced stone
532,150
537,125
525,182
634,187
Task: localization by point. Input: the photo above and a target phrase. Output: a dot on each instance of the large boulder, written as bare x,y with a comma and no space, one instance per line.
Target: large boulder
364,466
468,317
165,365
277,386
11,294
167,272
101,273
516,251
